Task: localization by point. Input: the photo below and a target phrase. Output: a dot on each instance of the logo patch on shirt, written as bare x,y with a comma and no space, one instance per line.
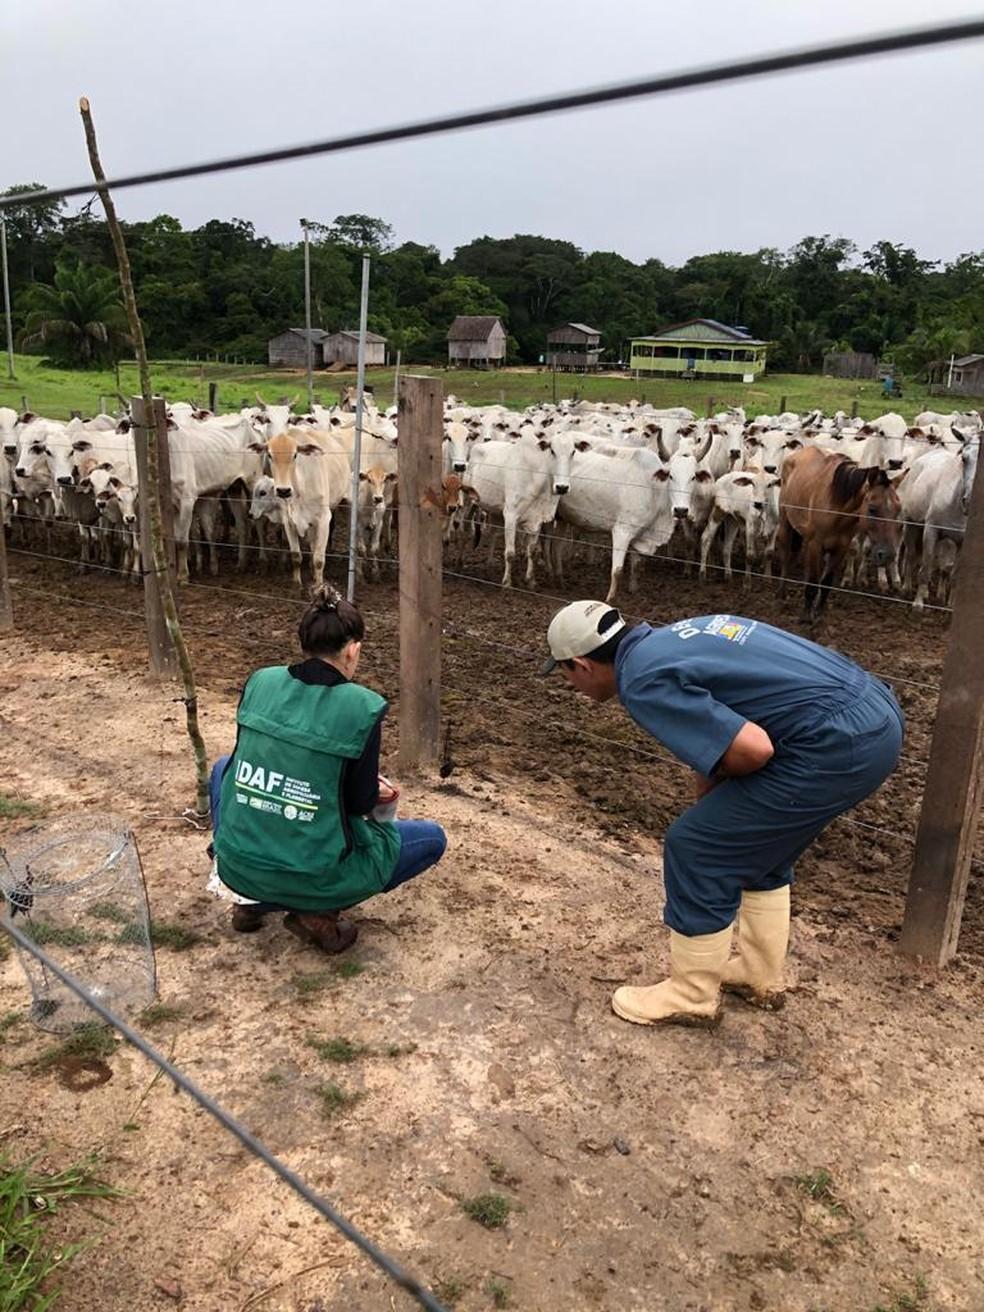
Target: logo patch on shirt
722,626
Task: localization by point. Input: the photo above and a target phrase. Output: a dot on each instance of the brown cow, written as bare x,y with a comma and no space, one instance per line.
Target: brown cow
822,503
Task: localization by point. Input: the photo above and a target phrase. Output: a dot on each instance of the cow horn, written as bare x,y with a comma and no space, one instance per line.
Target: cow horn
704,447
297,397
260,400
660,447
957,433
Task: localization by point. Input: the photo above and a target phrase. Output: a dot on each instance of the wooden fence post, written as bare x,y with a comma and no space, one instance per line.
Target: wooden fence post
163,658
782,405
6,609
421,425
213,396
952,796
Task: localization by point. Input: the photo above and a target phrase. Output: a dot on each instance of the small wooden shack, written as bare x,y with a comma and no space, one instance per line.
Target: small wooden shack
850,364
290,348
700,348
574,348
478,340
343,348
968,376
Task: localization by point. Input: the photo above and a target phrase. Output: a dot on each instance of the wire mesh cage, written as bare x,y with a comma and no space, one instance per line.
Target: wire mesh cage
75,886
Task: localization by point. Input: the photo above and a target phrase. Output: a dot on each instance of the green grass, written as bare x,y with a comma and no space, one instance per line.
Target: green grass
816,1185
27,1261
449,1289
7,1022
12,808
349,969
338,1050
91,1041
110,911
499,1293
164,934
159,1013
56,392
913,1299
490,1210
334,1098
62,936
308,986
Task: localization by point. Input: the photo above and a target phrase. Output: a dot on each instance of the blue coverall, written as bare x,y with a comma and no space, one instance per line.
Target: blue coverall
836,731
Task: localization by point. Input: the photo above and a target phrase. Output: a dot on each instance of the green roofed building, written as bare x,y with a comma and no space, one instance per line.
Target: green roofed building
700,348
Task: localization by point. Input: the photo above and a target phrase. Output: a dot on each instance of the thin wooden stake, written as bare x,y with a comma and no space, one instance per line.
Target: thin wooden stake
952,795
6,609
154,440
160,645
421,428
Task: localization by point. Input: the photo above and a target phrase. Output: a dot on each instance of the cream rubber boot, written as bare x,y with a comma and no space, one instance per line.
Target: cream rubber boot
756,974
691,995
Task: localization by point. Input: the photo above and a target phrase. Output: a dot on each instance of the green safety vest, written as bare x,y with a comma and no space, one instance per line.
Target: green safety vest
283,833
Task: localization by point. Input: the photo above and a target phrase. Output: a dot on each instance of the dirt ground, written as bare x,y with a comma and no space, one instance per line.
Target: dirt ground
651,1171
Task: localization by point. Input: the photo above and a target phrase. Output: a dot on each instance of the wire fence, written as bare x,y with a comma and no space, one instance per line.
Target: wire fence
719,74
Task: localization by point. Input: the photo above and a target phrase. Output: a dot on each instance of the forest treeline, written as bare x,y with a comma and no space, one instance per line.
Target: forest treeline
224,289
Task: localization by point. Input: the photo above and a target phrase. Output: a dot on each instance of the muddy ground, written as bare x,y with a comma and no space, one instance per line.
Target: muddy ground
649,1170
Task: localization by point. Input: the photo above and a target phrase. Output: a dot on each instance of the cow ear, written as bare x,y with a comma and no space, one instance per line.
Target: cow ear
866,429
703,476
81,445
743,481
916,432
582,446
115,482
259,447
362,476
172,426
543,444
752,441
106,464
793,443
390,478
898,478
662,475
309,449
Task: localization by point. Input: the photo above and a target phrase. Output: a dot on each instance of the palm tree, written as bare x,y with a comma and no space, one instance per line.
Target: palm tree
79,316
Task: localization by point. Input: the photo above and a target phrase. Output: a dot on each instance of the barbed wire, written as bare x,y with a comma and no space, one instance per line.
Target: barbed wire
708,75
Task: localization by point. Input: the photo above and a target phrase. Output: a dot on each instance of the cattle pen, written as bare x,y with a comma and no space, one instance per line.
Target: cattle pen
458,1087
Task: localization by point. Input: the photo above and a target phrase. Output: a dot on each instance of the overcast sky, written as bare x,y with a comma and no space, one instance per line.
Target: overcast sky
883,148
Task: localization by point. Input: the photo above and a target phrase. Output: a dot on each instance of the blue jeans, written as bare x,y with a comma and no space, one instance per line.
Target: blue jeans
422,842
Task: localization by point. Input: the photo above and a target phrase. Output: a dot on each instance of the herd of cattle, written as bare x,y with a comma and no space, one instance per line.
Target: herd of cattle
883,500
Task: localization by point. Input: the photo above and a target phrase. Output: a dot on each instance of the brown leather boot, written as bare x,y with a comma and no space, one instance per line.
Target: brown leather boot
246,919
326,930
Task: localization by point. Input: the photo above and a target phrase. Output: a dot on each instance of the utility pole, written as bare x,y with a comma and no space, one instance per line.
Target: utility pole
309,344
360,384
6,298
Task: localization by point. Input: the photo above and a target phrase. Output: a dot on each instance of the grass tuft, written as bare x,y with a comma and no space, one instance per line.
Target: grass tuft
915,1299
62,936
490,1210
339,1050
349,969
399,1049
449,1290
159,1013
109,911
334,1098
816,1185
90,1041
7,1022
499,1293
27,1262
165,934
307,986
12,808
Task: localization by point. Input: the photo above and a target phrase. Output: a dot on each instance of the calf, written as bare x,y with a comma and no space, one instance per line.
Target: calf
745,498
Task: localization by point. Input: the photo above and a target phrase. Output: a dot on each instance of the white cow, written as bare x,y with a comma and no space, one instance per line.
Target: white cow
623,492
746,498
311,474
936,496
523,481
768,449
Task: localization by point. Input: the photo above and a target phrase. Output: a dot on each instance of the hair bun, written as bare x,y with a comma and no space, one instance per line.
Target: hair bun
327,597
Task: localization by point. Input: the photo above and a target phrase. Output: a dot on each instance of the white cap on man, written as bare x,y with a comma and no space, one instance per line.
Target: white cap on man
579,629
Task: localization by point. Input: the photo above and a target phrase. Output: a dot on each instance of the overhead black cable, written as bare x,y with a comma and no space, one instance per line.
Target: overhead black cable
734,71
249,1141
